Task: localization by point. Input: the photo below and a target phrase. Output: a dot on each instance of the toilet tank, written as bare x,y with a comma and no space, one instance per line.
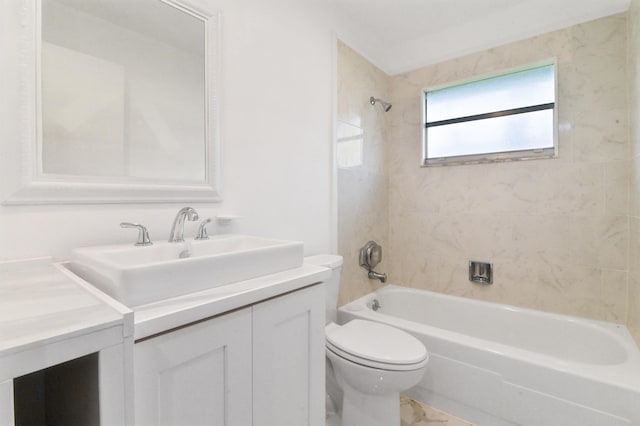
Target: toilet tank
332,285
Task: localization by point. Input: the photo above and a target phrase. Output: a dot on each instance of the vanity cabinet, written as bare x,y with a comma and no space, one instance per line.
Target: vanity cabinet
76,386
196,375
65,349
289,359
261,365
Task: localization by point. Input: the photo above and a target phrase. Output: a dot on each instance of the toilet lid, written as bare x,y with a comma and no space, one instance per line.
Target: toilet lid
376,342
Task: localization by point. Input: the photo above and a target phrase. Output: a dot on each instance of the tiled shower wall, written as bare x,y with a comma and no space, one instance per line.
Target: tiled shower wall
563,234
556,230
362,188
634,258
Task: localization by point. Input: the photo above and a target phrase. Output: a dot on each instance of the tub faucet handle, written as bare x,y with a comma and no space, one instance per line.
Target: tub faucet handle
370,257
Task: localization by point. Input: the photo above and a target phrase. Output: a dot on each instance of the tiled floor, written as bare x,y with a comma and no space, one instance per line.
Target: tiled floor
414,413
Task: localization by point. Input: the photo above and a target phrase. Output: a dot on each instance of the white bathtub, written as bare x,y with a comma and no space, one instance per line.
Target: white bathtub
496,364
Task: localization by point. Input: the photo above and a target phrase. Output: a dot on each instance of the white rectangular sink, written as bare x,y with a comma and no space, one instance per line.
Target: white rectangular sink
140,275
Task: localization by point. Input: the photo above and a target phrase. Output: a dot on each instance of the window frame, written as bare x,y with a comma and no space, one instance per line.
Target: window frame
492,157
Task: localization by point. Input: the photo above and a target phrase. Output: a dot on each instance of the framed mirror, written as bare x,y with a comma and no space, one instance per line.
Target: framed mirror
118,103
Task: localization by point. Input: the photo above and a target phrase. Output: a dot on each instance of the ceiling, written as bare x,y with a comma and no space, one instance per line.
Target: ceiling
401,35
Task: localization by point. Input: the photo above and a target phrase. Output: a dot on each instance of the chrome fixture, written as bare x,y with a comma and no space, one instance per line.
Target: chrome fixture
385,105
370,256
373,275
202,230
143,234
375,305
480,272
177,230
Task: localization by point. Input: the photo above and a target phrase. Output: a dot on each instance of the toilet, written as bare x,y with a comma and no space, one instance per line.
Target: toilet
368,363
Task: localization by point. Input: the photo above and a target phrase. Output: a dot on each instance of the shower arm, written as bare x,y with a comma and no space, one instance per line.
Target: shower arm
385,105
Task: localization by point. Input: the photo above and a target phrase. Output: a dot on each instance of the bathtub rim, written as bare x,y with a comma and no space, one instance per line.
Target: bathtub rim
625,375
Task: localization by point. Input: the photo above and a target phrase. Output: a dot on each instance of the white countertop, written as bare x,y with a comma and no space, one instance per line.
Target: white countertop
167,314
42,303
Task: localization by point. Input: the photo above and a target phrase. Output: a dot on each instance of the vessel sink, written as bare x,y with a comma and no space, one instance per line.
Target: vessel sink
140,275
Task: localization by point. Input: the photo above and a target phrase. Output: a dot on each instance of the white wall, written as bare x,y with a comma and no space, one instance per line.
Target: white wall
276,135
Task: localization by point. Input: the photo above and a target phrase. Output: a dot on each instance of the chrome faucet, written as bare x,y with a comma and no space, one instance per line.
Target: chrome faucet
370,256
177,230
373,275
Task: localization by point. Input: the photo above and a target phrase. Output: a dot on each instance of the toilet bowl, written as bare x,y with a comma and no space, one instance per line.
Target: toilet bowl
372,364
369,363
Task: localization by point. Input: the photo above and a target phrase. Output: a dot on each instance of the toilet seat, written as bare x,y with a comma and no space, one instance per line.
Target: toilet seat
376,345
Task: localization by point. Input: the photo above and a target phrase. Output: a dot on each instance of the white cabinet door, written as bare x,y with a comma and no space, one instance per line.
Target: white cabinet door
197,375
288,359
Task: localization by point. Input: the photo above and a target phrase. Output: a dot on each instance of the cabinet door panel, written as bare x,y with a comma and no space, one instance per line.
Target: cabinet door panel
197,375
288,359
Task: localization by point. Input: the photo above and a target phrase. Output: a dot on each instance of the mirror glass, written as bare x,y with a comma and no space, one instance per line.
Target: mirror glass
123,91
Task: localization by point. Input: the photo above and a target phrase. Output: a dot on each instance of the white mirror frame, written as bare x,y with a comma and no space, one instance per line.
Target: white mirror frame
21,178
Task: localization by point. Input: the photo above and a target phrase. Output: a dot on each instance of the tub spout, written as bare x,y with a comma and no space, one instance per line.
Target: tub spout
378,276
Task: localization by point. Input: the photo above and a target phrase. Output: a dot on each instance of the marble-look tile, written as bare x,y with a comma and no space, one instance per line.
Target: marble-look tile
362,190
358,80
415,413
614,294
570,289
557,230
601,138
634,180
362,216
634,237
613,241
633,320
617,181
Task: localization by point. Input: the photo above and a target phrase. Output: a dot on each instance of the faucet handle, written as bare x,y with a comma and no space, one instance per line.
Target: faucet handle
202,230
143,234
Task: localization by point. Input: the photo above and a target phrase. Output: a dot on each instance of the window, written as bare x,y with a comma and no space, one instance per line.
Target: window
504,117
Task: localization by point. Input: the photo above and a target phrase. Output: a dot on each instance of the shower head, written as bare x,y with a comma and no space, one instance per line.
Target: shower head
386,105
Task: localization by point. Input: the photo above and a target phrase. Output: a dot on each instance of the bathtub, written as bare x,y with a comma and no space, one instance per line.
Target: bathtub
495,364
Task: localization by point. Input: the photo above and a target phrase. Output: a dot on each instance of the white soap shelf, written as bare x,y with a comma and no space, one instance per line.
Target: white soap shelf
226,219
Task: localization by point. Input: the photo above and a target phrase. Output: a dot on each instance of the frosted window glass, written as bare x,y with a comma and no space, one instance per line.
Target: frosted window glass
498,118
525,88
501,134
